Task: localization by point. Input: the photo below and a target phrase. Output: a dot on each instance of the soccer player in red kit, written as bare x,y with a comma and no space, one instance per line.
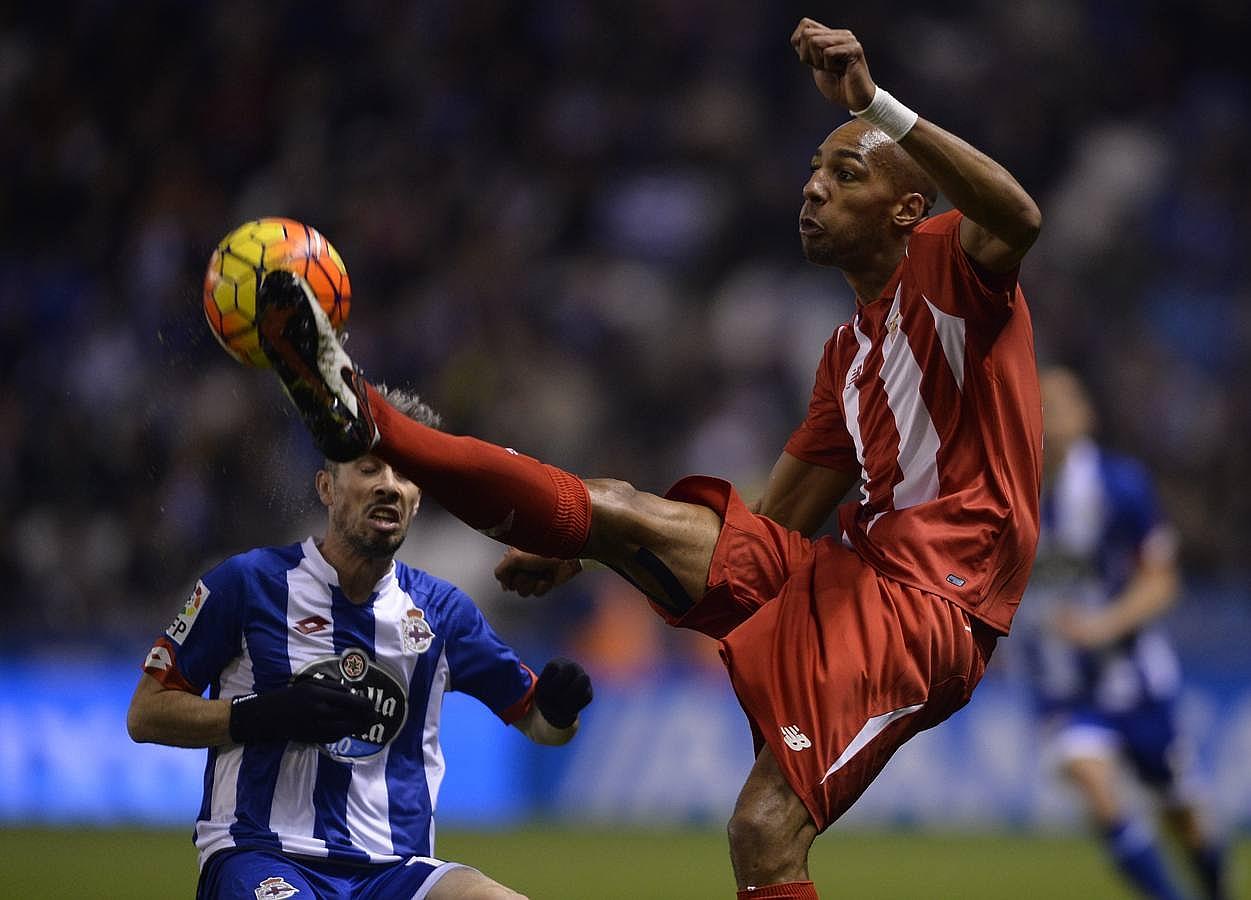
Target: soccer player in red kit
839,649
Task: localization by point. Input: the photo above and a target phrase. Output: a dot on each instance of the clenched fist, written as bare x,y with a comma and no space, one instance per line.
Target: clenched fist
527,573
838,64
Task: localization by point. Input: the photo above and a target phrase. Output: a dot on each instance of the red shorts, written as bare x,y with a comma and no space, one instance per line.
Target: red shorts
835,665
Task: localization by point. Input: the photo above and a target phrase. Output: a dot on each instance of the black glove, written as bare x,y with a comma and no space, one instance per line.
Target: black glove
563,688
316,712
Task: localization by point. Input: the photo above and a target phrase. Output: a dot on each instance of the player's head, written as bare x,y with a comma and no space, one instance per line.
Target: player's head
1068,414
369,505
864,197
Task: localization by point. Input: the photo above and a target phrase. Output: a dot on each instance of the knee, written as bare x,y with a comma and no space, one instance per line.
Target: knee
612,498
618,513
755,838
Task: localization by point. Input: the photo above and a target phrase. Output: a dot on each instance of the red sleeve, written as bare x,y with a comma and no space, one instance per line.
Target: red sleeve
162,664
523,704
822,439
951,280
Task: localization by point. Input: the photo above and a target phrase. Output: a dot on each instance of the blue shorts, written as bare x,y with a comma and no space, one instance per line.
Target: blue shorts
1146,736
270,875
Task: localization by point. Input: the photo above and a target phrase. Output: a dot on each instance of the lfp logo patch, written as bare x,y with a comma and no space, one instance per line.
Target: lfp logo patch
181,626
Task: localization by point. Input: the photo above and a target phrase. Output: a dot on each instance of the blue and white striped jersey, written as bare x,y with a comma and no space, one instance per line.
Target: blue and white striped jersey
1099,520
264,616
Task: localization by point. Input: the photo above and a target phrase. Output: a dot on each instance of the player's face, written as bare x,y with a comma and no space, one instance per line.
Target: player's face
849,200
371,505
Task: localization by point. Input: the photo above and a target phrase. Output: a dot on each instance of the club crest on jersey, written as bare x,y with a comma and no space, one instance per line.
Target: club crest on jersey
181,626
354,670
415,631
275,888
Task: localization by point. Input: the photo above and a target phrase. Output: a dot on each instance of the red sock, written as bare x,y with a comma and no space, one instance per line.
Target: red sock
512,498
791,890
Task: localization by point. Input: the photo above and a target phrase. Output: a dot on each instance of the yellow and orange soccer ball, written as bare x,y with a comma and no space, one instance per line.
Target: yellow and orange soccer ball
245,256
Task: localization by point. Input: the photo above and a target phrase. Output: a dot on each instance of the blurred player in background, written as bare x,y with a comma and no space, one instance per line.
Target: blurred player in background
840,650
327,662
1104,673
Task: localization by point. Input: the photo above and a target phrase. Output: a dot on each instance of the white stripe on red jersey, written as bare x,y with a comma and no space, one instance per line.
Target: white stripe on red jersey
932,394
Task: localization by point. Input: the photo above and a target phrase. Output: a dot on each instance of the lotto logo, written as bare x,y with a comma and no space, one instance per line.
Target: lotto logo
795,739
159,659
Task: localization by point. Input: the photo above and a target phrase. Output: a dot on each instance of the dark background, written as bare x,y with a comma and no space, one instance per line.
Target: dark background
572,226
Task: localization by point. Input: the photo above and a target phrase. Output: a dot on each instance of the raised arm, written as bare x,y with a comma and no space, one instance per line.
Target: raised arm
1001,220
801,496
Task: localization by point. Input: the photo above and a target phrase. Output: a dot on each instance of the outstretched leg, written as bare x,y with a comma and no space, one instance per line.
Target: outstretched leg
663,546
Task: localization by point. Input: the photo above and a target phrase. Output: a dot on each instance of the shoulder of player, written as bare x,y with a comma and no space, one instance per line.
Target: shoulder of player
942,224
932,243
259,562
428,589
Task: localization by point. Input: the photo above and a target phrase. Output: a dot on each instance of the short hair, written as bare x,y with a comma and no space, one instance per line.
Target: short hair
908,177
406,402
411,405
905,173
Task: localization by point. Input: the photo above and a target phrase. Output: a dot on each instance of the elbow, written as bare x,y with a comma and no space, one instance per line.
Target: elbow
137,726
1026,225
1031,221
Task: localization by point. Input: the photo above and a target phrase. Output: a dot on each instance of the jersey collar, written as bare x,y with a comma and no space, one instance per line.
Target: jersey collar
326,572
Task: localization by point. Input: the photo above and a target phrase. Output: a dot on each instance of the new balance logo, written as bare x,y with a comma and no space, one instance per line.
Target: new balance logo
795,739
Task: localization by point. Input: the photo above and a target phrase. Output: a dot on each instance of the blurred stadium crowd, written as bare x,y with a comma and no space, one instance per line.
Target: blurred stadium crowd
572,225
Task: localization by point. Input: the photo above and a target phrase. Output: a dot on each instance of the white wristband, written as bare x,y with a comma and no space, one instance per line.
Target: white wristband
888,114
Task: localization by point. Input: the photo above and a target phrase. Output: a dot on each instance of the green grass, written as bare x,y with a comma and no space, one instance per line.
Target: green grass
586,864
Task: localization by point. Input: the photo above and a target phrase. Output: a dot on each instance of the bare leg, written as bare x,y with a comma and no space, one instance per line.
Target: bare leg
632,531
1128,839
1206,851
771,830
1095,777
470,884
1185,822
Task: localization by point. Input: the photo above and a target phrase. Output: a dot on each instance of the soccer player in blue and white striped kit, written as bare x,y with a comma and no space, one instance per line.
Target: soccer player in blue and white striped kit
326,663
1105,675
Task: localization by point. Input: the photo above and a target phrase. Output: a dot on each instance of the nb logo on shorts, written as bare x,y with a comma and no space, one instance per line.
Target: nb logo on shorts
795,739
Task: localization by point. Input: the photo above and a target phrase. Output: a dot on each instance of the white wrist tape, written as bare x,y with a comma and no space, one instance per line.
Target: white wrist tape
888,114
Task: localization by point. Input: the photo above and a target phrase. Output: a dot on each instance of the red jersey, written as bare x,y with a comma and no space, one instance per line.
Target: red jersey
931,393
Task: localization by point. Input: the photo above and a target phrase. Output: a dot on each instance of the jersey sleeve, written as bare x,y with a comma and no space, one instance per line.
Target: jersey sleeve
1138,514
482,665
205,634
822,438
952,281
